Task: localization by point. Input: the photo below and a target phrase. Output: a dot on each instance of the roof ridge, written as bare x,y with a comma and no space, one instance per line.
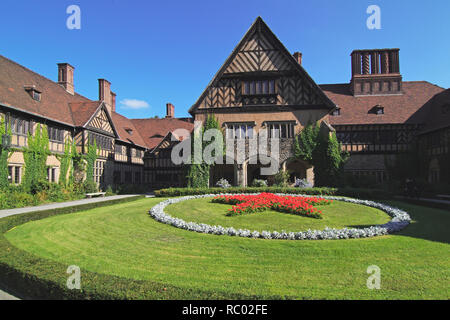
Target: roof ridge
41,76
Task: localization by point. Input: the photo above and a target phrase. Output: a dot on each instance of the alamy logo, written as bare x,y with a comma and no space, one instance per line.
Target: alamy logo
74,20
374,20
74,281
374,281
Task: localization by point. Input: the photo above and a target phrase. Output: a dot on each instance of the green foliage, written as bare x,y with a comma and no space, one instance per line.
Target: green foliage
91,157
66,160
35,158
306,141
369,194
198,173
328,160
4,155
281,178
324,152
259,183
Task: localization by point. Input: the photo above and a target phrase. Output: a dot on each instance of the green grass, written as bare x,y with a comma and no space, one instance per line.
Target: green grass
336,215
122,240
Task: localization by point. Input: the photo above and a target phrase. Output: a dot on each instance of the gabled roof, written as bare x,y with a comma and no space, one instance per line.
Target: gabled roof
153,131
127,131
401,108
54,104
259,26
83,111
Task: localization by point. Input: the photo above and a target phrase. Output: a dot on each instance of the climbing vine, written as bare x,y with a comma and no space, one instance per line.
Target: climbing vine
4,154
66,160
198,173
35,158
306,142
91,157
328,160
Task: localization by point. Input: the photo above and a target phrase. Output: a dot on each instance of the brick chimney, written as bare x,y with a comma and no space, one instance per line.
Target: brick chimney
170,110
104,93
113,101
65,77
376,72
298,57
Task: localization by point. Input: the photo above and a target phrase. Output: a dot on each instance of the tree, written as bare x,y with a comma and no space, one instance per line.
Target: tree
306,142
198,173
328,160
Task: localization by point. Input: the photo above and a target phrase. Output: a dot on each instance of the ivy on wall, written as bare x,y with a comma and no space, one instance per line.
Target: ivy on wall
306,142
198,174
66,163
91,157
35,158
4,155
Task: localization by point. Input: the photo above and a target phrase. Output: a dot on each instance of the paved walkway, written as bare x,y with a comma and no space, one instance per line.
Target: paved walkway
7,296
11,212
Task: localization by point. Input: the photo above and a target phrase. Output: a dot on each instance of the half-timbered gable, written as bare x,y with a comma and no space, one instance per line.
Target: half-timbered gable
261,72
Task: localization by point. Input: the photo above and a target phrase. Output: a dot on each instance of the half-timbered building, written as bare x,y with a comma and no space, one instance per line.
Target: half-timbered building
261,85
376,115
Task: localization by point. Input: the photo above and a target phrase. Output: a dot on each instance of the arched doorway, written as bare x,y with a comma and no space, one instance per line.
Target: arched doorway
299,169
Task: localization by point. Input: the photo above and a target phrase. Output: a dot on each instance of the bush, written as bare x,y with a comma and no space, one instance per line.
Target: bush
281,178
174,192
89,186
259,183
365,194
223,183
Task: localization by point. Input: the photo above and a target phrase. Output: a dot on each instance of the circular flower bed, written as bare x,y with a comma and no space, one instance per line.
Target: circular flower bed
400,219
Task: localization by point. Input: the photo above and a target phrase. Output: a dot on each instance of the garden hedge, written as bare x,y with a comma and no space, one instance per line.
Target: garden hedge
369,194
32,277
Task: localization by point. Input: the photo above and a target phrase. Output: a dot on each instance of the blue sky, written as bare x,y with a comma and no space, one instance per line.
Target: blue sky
168,51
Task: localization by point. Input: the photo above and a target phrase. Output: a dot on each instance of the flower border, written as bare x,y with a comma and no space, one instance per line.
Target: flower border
400,219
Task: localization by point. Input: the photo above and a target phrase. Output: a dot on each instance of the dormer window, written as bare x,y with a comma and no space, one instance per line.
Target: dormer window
336,112
258,87
379,110
33,92
129,131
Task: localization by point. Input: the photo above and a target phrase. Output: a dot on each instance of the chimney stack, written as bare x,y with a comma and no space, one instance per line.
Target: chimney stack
104,93
113,101
170,110
376,72
298,57
65,77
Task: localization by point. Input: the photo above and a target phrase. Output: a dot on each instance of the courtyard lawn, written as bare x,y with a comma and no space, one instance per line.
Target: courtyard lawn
122,240
336,215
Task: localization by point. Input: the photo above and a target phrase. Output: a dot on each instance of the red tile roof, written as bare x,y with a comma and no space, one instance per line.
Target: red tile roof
127,131
154,130
438,112
405,108
56,103
83,111
55,99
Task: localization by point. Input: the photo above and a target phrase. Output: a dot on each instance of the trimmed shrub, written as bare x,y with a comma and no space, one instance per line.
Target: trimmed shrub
323,191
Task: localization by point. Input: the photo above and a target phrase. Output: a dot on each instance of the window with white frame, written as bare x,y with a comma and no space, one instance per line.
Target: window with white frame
239,130
281,130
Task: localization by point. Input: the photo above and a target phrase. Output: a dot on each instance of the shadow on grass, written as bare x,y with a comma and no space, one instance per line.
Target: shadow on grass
428,223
